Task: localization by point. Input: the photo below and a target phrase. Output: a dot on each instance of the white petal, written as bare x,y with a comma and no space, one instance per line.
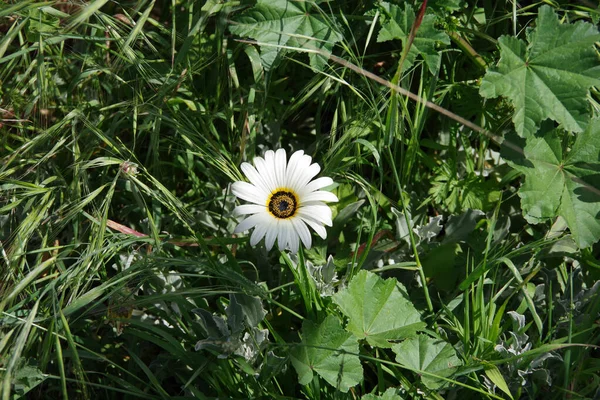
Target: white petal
249,192
293,165
286,234
289,232
320,229
320,213
272,230
252,221
270,165
318,196
254,177
259,232
266,173
280,167
302,231
294,241
248,209
282,236
317,184
269,155
295,157
304,175
257,159
296,169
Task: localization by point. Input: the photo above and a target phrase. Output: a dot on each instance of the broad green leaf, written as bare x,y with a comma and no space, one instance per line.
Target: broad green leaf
548,77
243,312
389,394
459,227
447,5
396,24
562,183
439,266
42,22
25,378
280,24
423,353
377,310
330,351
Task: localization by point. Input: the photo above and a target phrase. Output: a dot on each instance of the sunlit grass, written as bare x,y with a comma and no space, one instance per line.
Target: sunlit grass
122,126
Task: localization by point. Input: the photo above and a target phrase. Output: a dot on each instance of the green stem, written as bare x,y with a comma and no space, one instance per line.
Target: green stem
570,334
301,278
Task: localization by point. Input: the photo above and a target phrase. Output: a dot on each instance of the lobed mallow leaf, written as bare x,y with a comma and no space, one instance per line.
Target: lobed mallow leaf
397,23
330,351
423,353
377,310
548,77
560,182
278,25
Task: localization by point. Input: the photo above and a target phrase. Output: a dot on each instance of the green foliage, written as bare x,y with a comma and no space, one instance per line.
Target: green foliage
283,24
331,352
26,378
494,375
472,192
561,182
238,334
549,76
390,394
439,265
396,24
377,309
456,267
423,353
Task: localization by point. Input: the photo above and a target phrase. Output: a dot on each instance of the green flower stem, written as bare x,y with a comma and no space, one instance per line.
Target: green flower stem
567,377
297,280
304,283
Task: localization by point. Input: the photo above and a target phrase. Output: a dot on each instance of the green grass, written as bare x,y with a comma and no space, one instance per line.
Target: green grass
122,126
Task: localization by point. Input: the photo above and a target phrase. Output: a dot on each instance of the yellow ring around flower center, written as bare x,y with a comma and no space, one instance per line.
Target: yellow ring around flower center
283,203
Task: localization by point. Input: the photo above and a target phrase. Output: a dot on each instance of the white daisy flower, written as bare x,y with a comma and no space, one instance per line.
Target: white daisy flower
284,200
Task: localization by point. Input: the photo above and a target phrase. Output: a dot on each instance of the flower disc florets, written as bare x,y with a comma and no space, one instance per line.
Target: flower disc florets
284,200
283,204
